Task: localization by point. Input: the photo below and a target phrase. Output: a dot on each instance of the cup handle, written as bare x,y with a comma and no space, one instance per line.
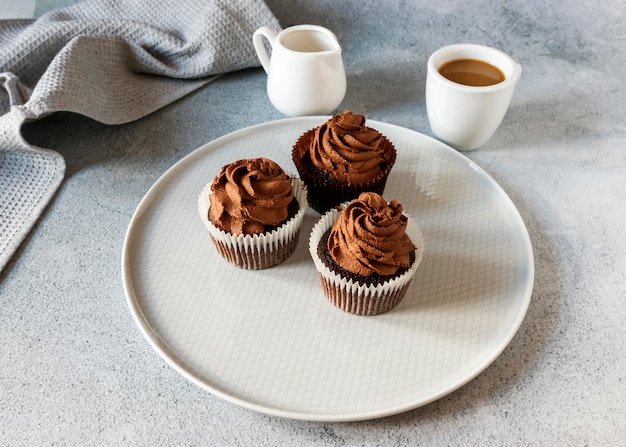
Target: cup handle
261,52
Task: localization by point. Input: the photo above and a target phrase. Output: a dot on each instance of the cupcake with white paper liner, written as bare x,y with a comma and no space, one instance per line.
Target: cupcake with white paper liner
366,253
253,211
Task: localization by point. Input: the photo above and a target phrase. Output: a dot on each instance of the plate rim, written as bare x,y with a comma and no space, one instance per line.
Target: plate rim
172,359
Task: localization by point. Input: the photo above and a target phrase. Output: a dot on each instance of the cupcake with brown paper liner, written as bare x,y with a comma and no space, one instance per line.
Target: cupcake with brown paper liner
253,211
342,158
366,254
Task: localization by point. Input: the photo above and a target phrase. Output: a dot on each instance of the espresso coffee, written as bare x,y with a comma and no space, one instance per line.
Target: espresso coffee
471,72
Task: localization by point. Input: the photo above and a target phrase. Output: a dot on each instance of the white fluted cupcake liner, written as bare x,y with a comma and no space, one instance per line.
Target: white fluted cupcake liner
258,251
352,296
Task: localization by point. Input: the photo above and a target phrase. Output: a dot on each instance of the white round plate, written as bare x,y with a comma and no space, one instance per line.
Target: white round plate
270,341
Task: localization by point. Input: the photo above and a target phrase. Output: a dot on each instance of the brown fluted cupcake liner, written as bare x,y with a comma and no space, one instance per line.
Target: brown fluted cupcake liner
257,251
352,296
326,192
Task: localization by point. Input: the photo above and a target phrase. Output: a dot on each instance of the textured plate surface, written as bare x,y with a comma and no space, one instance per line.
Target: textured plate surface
270,341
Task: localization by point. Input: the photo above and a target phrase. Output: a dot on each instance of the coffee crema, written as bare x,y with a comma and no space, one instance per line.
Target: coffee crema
472,72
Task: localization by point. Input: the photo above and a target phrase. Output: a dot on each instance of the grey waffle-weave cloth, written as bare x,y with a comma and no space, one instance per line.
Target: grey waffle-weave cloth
114,61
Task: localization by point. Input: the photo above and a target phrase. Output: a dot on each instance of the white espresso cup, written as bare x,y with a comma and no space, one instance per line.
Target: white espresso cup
467,116
305,72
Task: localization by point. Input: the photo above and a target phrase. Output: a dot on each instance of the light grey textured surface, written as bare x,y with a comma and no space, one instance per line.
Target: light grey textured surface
75,370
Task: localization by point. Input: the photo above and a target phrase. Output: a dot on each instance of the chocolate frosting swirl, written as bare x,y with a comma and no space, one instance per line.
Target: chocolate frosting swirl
250,195
348,150
370,237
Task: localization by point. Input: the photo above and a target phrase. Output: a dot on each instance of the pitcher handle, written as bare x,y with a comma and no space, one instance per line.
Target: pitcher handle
261,52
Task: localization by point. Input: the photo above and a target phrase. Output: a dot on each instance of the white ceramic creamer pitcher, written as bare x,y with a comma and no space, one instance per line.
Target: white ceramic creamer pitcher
305,72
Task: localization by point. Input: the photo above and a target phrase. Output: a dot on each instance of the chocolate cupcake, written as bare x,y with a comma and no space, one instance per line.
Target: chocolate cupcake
366,254
342,158
253,212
